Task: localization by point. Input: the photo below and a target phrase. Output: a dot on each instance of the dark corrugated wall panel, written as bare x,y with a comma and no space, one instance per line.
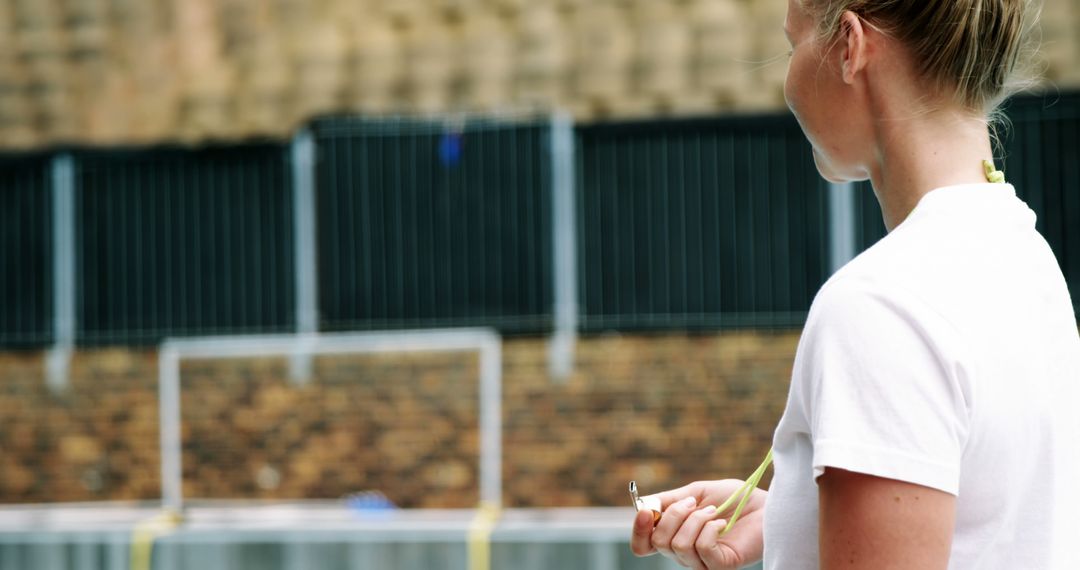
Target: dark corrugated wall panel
1043,162
25,251
699,224
426,225
183,242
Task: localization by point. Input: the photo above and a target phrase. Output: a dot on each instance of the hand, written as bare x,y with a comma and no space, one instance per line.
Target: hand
689,530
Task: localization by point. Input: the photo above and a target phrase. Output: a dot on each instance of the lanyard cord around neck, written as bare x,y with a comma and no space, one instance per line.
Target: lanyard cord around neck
994,176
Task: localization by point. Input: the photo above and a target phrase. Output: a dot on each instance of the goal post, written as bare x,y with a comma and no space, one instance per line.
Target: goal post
485,341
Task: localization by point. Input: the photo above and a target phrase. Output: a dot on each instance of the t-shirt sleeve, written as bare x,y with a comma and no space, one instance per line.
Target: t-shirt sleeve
886,391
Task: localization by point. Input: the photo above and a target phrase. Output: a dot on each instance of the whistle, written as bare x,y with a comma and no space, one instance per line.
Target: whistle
651,502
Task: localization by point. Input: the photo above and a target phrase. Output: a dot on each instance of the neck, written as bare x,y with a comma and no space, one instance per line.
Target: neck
916,155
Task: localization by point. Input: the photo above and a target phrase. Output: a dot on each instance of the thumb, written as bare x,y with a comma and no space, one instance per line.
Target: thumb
641,537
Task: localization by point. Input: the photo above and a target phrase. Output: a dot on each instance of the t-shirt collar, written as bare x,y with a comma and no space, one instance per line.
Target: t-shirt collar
964,197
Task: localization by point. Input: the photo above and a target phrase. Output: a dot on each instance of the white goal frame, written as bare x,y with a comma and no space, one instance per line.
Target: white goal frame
485,341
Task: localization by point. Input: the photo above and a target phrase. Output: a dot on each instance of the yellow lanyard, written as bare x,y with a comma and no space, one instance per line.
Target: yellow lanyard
993,174
743,494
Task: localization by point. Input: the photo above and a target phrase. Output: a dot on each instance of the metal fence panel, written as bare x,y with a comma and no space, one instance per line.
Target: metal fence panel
179,241
421,224
25,251
1043,162
687,224
699,224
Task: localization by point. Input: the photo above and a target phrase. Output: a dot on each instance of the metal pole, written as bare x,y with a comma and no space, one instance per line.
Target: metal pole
63,254
563,213
842,247
491,420
304,251
172,491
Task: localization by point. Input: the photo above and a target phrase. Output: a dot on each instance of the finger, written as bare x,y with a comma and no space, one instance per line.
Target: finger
713,551
668,498
670,524
684,544
641,536
744,538
740,546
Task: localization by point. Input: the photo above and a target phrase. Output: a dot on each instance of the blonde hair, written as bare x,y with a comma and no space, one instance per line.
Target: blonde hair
969,49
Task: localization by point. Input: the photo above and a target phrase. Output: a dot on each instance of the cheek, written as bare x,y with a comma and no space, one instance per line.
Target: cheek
799,88
809,101
797,93
791,85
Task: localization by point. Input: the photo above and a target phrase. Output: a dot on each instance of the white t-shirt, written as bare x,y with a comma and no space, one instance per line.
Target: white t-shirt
946,355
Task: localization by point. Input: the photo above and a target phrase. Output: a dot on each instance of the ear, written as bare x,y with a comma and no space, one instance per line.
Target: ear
853,37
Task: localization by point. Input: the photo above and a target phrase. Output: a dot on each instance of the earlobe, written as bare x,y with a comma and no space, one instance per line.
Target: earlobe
854,54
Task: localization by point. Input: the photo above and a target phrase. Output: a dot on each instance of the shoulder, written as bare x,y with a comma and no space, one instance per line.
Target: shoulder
863,331
865,317
911,275
864,300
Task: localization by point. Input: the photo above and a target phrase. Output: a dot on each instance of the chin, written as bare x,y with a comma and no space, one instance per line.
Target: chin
832,173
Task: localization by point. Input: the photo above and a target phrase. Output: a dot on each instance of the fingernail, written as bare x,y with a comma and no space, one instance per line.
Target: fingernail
689,502
710,510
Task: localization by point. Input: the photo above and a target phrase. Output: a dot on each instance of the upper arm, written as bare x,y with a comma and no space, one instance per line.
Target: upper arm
883,524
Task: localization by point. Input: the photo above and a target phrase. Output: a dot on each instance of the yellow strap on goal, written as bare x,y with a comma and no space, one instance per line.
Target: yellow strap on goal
148,531
480,536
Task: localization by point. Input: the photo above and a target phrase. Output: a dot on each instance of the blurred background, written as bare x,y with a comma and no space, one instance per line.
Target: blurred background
613,189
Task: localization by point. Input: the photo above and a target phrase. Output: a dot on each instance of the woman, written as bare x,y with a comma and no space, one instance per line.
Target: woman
932,419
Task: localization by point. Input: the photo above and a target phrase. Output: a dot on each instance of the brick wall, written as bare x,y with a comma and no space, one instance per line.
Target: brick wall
144,71
663,410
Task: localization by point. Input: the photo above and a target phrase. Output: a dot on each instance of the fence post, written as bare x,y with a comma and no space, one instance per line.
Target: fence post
564,242
842,246
63,258
304,252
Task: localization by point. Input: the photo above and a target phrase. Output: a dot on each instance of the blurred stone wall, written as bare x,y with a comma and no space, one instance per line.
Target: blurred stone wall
663,410
145,71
